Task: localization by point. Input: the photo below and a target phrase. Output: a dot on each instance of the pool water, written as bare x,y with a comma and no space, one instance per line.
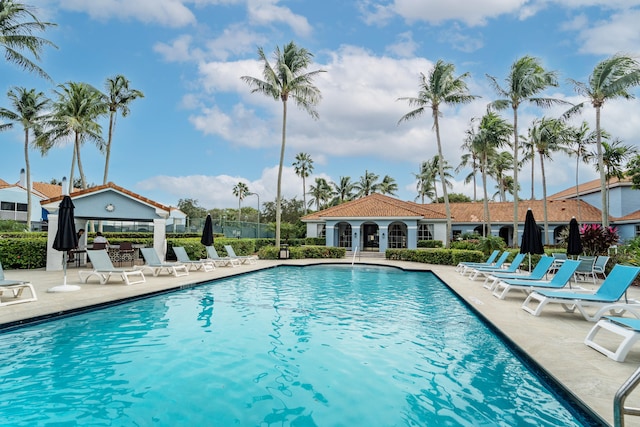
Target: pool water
288,346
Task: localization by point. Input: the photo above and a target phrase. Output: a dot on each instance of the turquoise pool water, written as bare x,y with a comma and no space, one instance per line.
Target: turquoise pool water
289,346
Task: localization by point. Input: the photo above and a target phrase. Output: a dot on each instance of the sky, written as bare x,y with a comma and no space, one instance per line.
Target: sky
199,130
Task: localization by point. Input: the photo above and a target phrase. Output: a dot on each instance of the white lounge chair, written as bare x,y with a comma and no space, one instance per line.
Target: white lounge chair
153,264
183,257
559,281
538,273
245,259
608,297
212,255
15,288
103,269
628,328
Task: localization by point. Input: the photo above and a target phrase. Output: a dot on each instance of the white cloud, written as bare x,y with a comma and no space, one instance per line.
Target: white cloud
471,12
405,47
265,12
617,34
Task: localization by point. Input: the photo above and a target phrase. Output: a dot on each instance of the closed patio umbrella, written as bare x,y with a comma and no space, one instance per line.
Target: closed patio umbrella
66,239
574,244
207,232
531,237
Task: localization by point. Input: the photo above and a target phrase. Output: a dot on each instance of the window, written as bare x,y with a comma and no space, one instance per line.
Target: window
397,236
7,206
21,207
321,230
425,232
637,230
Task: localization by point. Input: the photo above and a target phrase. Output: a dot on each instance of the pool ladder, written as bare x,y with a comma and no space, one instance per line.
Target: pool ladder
355,252
619,410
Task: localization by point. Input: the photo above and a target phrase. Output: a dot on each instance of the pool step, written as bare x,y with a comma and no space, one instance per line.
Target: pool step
365,255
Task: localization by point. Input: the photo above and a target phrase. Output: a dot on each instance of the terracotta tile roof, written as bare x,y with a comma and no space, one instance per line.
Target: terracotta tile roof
110,185
47,190
589,187
4,183
633,216
380,206
376,206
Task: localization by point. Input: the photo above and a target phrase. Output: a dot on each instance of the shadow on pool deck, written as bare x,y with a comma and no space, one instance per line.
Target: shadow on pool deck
555,340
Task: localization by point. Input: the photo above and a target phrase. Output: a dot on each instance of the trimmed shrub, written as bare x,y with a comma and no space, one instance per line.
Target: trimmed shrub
430,243
300,252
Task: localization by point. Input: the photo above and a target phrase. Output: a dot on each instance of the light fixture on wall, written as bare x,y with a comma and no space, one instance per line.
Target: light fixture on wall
383,234
355,234
110,207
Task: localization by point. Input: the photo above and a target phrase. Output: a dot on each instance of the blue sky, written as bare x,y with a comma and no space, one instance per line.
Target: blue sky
199,130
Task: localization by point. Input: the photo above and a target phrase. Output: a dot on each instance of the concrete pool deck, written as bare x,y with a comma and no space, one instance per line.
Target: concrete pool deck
555,340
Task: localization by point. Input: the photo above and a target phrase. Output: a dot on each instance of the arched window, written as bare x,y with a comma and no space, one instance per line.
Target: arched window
397,236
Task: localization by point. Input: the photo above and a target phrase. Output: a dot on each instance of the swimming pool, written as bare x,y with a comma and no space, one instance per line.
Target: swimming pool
299,346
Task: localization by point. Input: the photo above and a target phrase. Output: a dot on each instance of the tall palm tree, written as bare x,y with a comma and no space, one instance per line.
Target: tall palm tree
547,136
580,138
320,193
440,87
118,96
424,184
469,159
303,167
493,132
17,26
526,79
611,78
240,190
30,111
343,191
287,79
435,175
368,184
75,116
388,185
499,164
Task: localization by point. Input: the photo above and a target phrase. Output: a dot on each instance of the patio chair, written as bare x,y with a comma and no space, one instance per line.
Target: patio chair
183,257
628,328
558,259
126,253
14,288
103,269
244,259
487,263
608,297
599,267
498,264
153,264
585,269
486,271
559,280
540,271
212,255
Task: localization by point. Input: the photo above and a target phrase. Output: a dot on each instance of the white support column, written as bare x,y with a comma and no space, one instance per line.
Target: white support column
54,258
160,237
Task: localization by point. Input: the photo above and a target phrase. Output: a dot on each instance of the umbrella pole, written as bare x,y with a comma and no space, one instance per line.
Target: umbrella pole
64,287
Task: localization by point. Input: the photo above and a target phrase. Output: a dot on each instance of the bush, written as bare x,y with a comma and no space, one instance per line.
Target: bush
300,252
597,239
23,253
430,243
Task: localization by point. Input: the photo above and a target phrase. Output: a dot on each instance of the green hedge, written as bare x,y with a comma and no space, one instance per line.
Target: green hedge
300,252
24,253
430,243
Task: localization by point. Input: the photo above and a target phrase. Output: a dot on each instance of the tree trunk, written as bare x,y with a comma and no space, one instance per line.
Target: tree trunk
73,163
544,203
578,183
279,189
486,200
445,195
28,173
603,178
107,155
80,170
515,176
304,194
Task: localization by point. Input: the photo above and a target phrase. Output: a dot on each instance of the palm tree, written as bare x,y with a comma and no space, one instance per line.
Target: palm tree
288,79
367,185
424,184
240,190
29,110
547,136
579,139
17,25
117,97
75,115
498,165
469,158
388,186
611,78
493,133
435,168
321,193
343,191
440,87
303,167
526,79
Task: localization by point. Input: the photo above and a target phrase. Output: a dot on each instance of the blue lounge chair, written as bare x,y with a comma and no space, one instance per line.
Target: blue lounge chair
606,298
498,264
628,328
15,288
183,257
559,280
103,269
487,263
153,264
538,273
486,271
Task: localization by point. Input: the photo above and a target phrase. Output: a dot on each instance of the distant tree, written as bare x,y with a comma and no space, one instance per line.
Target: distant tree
615,156
440,87
469,159
580,138
240,190
368,184
424,183
498,165
303,166
343,191
388,186
292,211
526,79
117,97
633,171
288,79
191,209
320,193
18,23
456,198
611,78
30,111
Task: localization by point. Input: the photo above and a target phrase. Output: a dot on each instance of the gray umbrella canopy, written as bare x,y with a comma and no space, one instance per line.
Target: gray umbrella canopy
574,244
207,232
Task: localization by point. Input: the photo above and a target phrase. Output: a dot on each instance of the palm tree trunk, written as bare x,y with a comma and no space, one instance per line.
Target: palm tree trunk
279,189
28,172
533,173
107,154
578,183
80,170
603,178
515,176
485,202
73,163
304,194
544,203
447,208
